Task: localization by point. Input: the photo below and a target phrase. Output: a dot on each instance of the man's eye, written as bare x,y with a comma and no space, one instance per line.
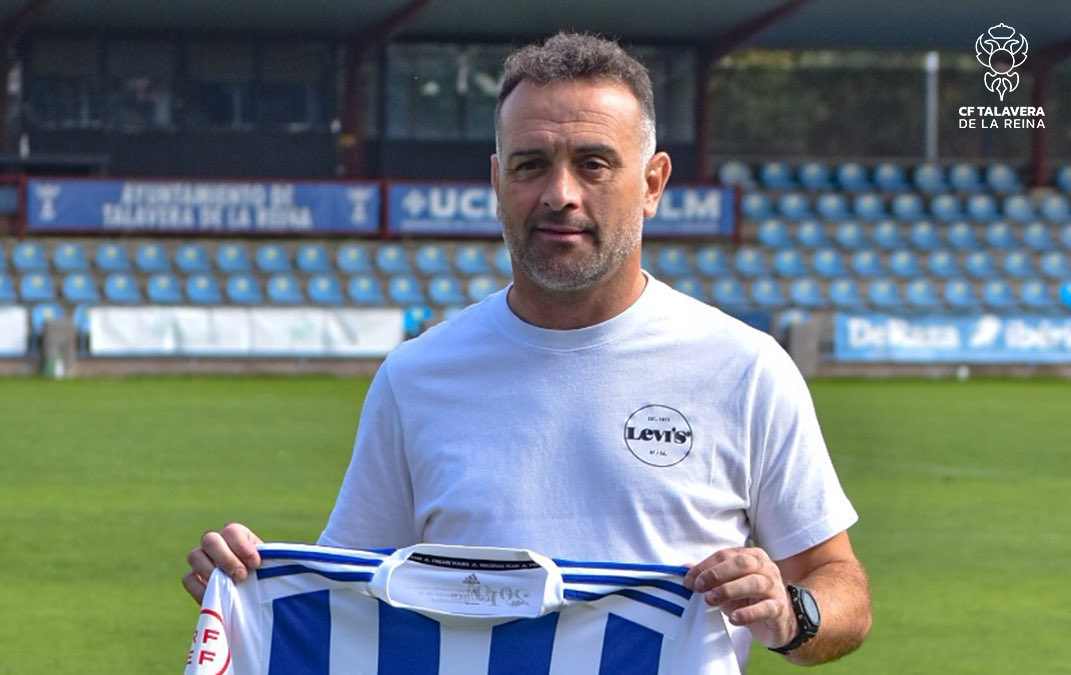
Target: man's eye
594,165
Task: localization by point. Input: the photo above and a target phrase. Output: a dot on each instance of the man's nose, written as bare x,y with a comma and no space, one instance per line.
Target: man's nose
561,191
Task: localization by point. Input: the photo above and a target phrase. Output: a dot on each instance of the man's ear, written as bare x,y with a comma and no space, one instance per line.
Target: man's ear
655,177
494,185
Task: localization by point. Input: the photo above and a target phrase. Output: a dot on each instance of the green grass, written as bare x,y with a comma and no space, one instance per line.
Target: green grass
964,491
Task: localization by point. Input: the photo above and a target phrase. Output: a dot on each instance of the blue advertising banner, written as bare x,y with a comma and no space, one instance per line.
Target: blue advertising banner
224,207
947,339
444,209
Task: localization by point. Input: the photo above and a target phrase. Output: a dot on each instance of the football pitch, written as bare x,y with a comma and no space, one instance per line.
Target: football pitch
964,491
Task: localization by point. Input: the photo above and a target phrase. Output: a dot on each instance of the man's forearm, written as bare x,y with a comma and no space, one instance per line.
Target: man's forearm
843,595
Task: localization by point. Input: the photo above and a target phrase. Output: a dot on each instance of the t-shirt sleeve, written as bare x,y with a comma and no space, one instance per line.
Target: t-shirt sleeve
374,508
796,499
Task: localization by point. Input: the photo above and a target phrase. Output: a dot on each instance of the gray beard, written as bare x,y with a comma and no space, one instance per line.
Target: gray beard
560,276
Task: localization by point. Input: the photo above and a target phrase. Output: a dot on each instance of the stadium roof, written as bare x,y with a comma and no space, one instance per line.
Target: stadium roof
899,24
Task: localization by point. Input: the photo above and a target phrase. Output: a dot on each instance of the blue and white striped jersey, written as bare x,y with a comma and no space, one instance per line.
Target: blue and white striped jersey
455,610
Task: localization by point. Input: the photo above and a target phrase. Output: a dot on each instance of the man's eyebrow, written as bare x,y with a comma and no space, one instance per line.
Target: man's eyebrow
533,152
597,149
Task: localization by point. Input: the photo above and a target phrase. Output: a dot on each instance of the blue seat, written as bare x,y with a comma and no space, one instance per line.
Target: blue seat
828,263
243,289
964,177
1054,264
365,289
922,295
729,293
691,286
43,313
152,259
755,206
415,319
1063,178
929,178
852,177
997,294
750,262
7,290
867,263
481,286
1019,264
999,235
982,208
887,235
284,289
832,206
70,257
884,294
36,287
1065,236
794,206
1002,179
1064,293
404,289
814,175
163,289
353,259
785,320
503,262
789,263
777,176
1019,208
943,264
959,294
673,262
904,264
121,288
961,236
391,259
78,288
112,258
445,291
844,294
735,172
324,289
272,259
471,259
313,259
767,293
1055,209
806,292
980,265
233,258
889,177
203,289
80,318
191,259
850,235
712,262
431,259
29,256
811,234
1035,294
1037,237
924,236
908,206
868,207
945,207
773,233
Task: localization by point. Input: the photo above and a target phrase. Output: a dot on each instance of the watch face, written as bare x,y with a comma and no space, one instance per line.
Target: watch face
810,607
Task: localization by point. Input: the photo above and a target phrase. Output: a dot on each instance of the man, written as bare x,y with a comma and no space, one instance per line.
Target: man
591,412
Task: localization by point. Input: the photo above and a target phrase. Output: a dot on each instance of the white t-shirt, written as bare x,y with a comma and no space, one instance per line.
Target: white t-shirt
662,435
452,610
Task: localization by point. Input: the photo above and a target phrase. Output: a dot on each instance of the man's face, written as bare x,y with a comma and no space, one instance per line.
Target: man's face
570,179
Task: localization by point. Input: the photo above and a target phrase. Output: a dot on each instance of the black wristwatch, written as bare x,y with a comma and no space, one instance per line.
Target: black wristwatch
808,617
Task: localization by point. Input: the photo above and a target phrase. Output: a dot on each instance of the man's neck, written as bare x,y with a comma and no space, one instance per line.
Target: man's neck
566,310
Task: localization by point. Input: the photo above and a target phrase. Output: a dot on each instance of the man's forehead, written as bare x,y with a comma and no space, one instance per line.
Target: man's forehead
585,110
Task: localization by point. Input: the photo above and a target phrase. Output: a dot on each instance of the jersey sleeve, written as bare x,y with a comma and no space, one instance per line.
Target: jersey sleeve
374,507
210,651
796,499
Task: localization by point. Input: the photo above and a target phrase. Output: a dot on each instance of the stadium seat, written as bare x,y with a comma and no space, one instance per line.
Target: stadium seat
43,313
997,294
773,233
36,287
755,206
471,259
1063,178
391,259
121,288
233,258
850,235
943,263
964,177
767,293
828,263
711,262
884,294
979,265
904,264
729,294
29,256
777,176
851,176
806,292
921,295
203,289
1065,236
1034,294
353,259
867,263
832,206
887,235
959,294
945,208
431,259
811,234
112,258
929,178
1064,293
445,291
1002,178
889,177
814,175
1037,237
907,207
691,286
737,173
365,289
78,288
999,235
80,318
324,289
415,319
961,236
191,259
1055,209
785,320
673,262
868,207
481,286
1019,264
243,289
750,262
284,289
151,259
924,236
1054,265
7,290
503,261
70,257
313,259
1019,208
272,259
981,208
404,289
794,206
844,294
163,289
789,263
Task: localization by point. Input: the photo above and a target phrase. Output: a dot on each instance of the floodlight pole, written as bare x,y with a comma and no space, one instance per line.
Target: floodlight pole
11,29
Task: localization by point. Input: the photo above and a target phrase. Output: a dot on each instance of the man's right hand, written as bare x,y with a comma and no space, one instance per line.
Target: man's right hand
233,549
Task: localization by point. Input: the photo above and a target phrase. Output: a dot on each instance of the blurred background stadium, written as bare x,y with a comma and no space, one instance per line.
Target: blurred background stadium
256,187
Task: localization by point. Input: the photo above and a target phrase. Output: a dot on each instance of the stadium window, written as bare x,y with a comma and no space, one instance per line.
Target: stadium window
293,89
479,76
673,81
219,87
423,102
140,87
63,84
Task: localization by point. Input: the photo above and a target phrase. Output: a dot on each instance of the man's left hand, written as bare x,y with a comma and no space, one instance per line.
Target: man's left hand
747,586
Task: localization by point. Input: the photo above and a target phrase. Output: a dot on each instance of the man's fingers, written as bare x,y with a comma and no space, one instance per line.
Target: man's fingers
765,610
752,586
195,586
243,543
219,552
200,564
739,564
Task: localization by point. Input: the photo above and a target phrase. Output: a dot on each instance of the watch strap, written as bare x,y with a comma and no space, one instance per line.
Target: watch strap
807,628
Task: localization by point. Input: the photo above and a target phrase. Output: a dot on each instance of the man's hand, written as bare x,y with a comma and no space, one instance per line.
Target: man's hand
233,549
747,586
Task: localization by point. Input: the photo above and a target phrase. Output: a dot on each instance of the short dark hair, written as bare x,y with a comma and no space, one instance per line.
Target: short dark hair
578,56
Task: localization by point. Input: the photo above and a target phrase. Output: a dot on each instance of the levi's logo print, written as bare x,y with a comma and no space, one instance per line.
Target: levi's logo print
658,435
